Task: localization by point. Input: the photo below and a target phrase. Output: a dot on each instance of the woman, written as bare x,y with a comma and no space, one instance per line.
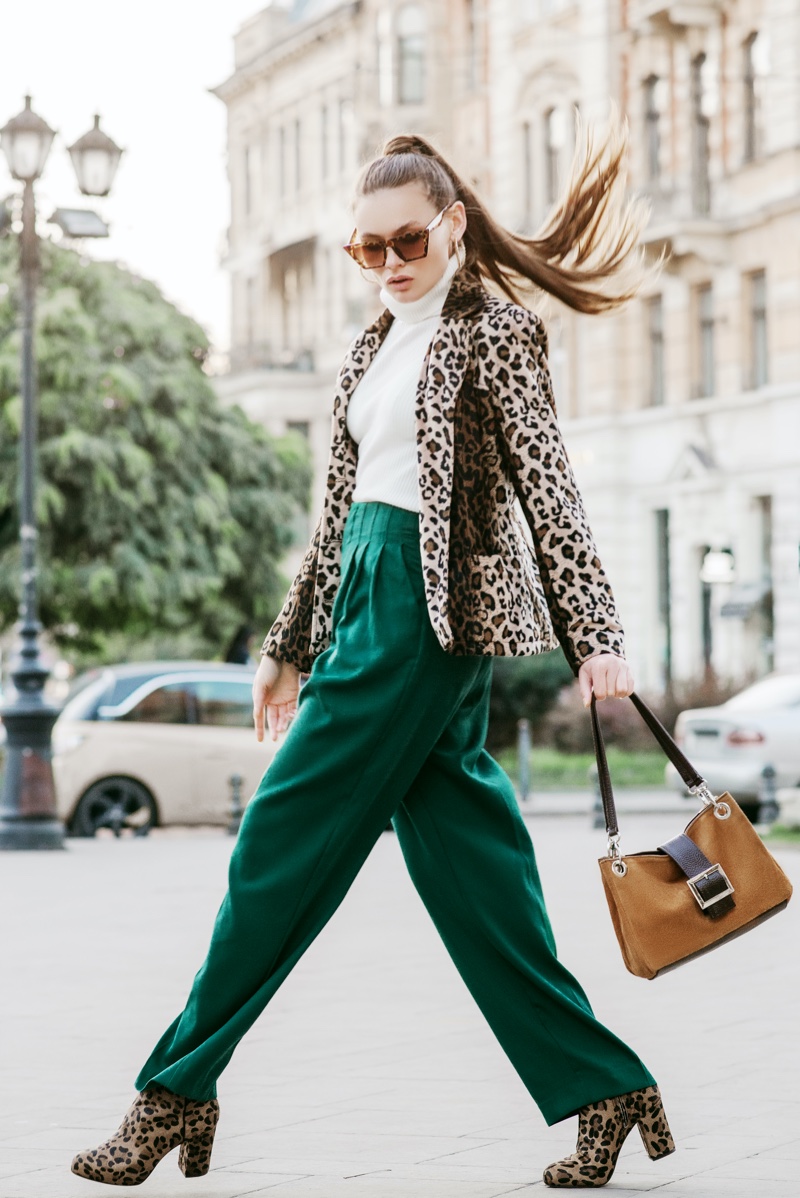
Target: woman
417,575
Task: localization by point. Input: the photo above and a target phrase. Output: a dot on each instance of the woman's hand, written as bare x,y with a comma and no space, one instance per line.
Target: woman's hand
608,675
275,687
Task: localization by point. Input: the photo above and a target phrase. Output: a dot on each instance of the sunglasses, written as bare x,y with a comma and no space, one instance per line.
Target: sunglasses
408,246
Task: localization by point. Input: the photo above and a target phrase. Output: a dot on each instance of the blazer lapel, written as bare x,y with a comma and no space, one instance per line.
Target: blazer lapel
446,363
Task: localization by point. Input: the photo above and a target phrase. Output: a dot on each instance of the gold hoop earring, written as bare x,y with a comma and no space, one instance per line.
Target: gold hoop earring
368,277
460,251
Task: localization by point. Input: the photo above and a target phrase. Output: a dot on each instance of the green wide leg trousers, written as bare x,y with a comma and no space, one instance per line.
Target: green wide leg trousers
391,727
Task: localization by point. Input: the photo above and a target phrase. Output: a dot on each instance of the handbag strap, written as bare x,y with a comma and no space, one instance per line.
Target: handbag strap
708,882
688,773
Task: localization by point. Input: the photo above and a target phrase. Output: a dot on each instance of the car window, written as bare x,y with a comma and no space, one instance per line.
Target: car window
101,688
126,684
781,691
87,691
170,704
224,702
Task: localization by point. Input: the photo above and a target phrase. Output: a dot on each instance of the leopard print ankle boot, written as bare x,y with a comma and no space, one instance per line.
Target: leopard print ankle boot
602,1130
155,1123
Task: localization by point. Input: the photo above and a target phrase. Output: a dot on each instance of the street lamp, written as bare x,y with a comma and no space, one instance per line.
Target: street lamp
28,818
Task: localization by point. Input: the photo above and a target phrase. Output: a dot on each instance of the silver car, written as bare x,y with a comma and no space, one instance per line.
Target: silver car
731,744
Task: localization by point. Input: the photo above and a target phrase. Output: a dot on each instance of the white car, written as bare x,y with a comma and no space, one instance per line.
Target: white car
152,743
731,744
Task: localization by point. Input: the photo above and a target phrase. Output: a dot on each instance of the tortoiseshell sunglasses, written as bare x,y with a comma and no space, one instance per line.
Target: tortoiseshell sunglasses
408,246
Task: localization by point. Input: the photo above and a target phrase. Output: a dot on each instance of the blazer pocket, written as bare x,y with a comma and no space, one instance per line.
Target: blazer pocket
502,591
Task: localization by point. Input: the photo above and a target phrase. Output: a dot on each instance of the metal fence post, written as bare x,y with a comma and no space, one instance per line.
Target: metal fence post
524,758
235,782
768,808
598,815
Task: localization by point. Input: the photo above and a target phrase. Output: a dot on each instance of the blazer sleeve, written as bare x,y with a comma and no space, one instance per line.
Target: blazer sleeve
289,638
579,597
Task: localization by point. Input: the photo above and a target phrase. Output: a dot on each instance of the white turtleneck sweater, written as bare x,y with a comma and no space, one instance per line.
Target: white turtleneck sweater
380,411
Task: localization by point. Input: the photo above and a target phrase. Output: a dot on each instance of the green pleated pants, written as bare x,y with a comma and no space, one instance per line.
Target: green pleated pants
391,727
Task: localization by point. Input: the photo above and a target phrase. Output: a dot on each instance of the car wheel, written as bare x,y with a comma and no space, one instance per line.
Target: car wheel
116,803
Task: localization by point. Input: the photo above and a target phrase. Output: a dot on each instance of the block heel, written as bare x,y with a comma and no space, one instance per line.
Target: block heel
652,1123
200,1124
603,1128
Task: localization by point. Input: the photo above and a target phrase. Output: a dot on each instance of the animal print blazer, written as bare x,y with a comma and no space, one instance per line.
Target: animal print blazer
487,433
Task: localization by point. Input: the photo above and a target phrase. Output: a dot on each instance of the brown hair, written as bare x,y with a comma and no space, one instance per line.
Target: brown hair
590,237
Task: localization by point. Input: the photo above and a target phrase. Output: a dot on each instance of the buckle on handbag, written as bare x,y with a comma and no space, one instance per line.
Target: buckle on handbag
715,898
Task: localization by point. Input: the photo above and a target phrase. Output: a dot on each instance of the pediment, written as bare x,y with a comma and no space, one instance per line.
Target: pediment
694,462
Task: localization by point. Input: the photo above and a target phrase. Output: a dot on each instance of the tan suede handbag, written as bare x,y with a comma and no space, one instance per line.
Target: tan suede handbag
695,892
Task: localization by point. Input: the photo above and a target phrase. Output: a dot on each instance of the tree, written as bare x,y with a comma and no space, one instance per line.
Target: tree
159,509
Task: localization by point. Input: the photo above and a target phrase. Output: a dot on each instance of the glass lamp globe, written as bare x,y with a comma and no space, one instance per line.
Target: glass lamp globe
95,158
26,142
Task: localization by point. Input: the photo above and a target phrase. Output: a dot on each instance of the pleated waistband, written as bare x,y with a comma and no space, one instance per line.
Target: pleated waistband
374,520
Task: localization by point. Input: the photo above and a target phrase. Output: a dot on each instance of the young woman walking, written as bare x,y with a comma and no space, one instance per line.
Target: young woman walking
418,574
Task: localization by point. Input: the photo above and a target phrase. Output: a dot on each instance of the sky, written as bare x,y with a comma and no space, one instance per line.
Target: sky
146,69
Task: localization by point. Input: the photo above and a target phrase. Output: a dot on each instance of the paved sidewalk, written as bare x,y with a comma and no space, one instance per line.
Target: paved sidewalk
372,1074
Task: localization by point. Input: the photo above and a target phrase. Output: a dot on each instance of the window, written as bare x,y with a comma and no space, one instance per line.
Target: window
706,626
664,595
652,117
704,309
527,174
226,704
385,58
553,141
767,607
345,121
323,140
300,426
410,55
298,155
249,178
282,161
170,704
755,68
473,45
250,314
757,288
655,321
701,198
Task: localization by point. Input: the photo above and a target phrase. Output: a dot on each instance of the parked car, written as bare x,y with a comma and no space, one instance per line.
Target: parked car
731,744
152,743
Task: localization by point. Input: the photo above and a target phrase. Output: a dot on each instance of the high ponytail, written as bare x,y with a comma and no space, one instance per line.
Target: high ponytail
589,239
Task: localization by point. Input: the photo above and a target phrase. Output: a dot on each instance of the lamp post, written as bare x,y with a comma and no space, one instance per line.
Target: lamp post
28,818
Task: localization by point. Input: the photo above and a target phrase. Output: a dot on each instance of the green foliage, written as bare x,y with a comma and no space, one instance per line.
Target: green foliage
550,769
523,687
160,511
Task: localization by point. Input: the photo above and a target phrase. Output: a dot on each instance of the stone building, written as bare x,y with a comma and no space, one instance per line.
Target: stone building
682,411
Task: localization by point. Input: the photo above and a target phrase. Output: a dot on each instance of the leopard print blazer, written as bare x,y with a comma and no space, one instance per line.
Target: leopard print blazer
487,436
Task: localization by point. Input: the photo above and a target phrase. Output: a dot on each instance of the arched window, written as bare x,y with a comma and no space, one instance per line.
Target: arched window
755,67
410,54
652,119
555,131
701,200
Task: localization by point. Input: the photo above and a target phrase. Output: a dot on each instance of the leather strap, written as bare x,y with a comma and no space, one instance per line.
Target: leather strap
692,861
679,760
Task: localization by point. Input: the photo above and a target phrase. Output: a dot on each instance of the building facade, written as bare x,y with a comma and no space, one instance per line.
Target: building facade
681,411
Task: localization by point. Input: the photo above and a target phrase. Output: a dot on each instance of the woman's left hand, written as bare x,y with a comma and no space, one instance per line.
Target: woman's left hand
608,675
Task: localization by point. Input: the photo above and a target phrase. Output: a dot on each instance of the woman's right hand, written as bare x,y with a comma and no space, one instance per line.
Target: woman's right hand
275,687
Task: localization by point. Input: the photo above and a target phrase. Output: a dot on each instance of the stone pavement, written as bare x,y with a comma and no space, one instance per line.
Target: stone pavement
372,1073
